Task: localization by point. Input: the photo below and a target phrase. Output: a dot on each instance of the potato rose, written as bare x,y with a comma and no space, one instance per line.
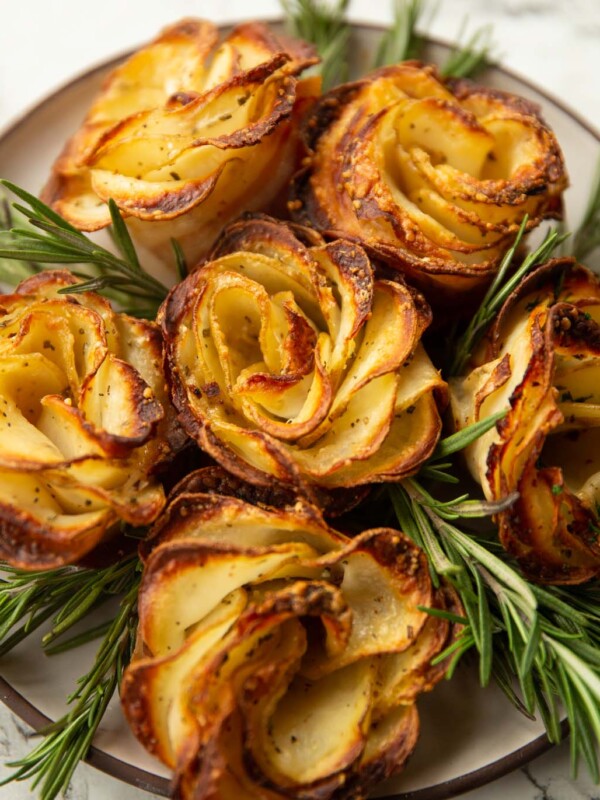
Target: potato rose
186,135
542,363
290,361
277,658
78,420
432,176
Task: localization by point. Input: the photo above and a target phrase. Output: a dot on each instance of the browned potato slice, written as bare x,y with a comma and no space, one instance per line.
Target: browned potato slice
81,427
390,744
432,176
276,656
187,134
327,718
542,363
292,362
217,518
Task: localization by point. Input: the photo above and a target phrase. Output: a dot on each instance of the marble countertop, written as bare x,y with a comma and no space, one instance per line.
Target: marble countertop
553,43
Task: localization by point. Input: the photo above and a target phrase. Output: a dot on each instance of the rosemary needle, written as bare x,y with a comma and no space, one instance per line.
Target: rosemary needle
587,237
401,40
472,56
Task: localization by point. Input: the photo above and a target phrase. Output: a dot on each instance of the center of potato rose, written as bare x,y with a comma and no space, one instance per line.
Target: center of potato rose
239,321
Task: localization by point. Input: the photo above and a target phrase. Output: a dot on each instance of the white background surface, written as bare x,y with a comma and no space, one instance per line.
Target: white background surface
43,43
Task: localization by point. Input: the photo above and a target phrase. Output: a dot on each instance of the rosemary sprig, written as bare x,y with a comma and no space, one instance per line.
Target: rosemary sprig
471,55
547,639
52,763
587,237
324,25
499,291
401,40
49,239
66,595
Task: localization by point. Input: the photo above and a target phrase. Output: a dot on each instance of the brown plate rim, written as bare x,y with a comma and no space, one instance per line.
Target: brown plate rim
156,784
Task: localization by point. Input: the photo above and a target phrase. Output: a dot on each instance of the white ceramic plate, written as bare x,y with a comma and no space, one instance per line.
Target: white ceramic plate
469,736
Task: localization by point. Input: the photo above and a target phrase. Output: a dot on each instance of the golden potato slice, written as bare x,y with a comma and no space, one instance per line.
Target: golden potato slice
432,176
276,656
186,135
292,362
542,364
81,429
